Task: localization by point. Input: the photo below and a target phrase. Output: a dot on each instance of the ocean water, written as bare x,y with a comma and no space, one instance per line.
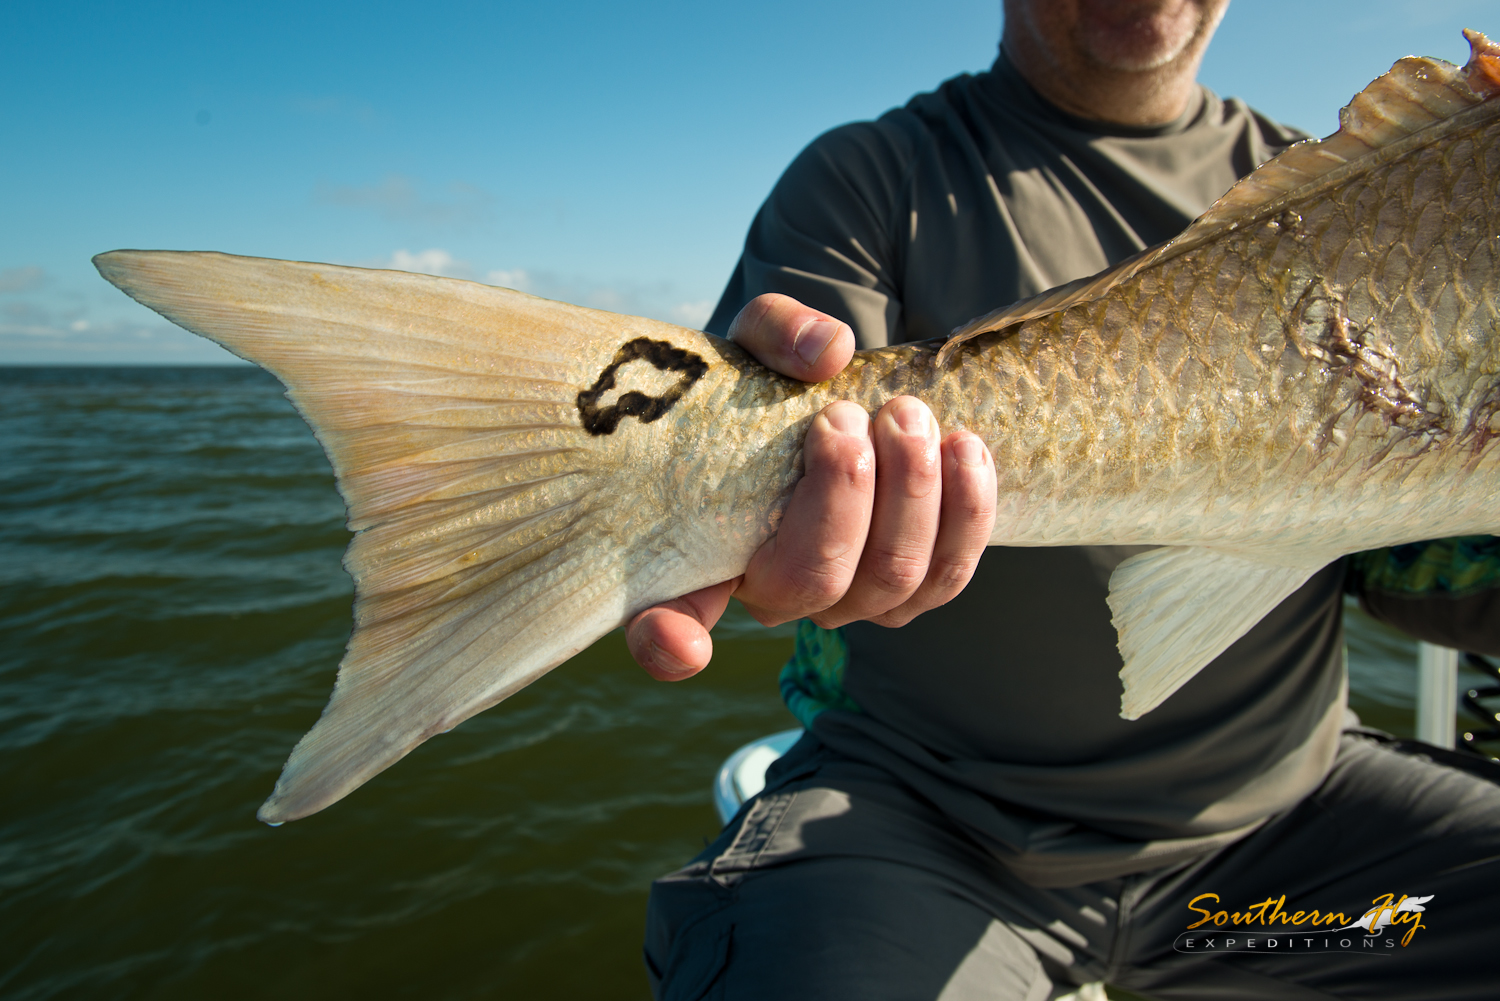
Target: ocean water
172,609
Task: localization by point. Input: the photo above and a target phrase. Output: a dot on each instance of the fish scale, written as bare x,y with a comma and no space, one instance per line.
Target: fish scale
1311,369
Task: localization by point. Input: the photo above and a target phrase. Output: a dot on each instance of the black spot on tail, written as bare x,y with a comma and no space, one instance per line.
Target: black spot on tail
599,420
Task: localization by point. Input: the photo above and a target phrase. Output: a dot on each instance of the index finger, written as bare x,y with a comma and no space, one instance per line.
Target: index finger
808,564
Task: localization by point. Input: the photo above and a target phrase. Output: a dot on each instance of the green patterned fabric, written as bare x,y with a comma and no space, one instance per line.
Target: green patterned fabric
813,679
1455,567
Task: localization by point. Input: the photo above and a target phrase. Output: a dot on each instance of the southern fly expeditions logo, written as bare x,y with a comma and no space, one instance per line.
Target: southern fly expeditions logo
1269,928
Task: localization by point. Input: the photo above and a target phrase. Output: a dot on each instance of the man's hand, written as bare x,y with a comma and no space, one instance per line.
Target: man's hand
886,523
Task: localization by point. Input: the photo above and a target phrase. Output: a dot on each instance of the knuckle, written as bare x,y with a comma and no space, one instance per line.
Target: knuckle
979,510
950,575
895,618
766,617
763,305
814,587
909,467
969,502
896,572
920,481
756,324
850,462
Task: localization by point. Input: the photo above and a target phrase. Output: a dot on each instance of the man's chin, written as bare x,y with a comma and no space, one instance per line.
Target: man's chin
1137,44
1111,51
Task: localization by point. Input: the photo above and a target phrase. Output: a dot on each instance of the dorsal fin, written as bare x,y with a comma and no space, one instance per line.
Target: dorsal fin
1483,68
1418,102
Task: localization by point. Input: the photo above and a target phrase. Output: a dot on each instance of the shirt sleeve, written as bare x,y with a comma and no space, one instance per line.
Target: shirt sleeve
1444,591
825,236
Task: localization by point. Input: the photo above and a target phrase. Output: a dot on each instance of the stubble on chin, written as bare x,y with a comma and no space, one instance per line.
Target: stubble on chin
1136,38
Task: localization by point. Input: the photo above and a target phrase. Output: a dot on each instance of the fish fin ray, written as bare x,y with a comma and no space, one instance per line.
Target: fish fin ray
1397,110
1177,608
449,412
1054,300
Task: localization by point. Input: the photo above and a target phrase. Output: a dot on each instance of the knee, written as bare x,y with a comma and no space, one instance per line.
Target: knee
687,935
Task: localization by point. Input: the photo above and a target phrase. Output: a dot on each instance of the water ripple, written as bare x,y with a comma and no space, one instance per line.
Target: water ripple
173,610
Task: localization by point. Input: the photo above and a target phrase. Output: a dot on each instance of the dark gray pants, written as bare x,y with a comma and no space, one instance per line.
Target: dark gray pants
842,884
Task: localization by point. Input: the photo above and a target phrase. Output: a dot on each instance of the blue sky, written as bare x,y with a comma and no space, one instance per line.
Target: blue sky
604,153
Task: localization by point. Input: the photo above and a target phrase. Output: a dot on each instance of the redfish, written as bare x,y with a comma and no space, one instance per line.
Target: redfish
1311,369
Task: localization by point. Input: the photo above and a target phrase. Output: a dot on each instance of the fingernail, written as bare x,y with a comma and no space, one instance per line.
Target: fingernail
813,339
850,418
667,663
969,451
911,417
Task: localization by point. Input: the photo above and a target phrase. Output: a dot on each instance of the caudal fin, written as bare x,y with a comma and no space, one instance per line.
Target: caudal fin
451,414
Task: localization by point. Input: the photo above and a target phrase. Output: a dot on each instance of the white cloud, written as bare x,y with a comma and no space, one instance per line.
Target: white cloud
98,326
693,314
661,300
401,199
658,300
149,341
432,261
29,330
23,310
22,279
517,279
53,314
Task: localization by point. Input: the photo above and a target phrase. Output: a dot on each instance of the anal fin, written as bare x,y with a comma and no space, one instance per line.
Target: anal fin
1178,608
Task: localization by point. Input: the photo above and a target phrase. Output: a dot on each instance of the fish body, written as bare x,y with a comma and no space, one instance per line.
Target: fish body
1311,369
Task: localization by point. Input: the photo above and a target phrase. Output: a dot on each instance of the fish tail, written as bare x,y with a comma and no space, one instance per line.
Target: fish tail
467,427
